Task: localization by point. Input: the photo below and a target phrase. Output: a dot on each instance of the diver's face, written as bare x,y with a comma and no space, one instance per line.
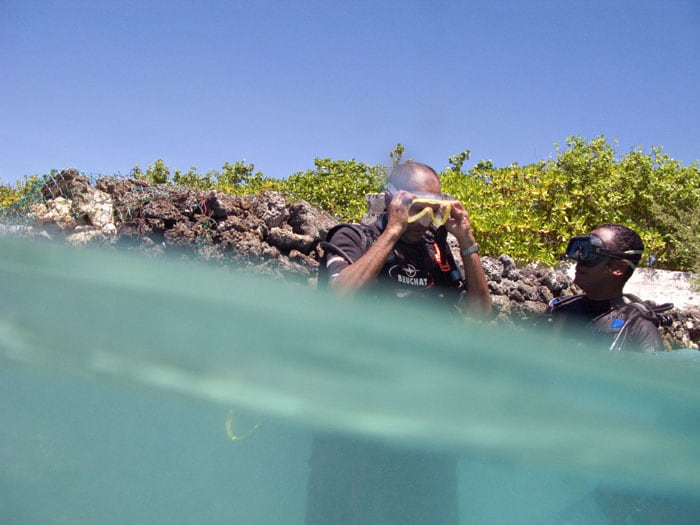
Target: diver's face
594,278
414,233
425,186
590,278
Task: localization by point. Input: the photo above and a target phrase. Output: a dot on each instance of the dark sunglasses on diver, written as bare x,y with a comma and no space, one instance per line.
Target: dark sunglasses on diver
590,250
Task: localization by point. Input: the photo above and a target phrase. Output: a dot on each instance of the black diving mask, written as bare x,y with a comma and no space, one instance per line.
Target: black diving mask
590,250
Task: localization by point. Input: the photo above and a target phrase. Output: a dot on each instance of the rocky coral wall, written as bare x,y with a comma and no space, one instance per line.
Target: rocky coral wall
266,233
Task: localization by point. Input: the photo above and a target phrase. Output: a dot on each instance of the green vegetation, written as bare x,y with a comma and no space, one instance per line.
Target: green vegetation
22,190
7,196
531,211
338,186
236,179
526,211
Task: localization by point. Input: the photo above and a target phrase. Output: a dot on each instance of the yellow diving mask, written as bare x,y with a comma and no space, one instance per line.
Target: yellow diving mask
427,208
427,211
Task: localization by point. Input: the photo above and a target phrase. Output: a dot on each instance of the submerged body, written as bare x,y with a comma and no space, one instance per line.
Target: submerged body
404,256
119,368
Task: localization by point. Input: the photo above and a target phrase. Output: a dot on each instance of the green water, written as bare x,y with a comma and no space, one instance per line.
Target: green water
118,373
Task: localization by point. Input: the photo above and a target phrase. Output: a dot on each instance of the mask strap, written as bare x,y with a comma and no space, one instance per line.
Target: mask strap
632,252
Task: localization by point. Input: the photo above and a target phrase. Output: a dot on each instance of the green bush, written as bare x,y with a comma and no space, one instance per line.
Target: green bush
337,186
192,179
531,211
157,173
240,178
528,212
7,196
14,201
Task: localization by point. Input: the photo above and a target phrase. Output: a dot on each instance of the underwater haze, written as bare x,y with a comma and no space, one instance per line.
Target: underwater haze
142,390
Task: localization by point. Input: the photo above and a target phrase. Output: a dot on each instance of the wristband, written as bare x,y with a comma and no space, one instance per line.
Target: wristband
472,249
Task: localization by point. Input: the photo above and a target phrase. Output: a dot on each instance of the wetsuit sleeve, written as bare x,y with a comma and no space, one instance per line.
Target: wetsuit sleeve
347,245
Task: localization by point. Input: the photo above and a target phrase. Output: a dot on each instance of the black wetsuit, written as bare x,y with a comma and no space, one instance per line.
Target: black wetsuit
358,481
606,318
425,269
602,321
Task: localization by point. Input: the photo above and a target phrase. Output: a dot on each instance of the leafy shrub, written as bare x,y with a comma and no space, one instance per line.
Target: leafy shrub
240,179
528,212
157,173
531,211
192,179
7,196
15,202
337,186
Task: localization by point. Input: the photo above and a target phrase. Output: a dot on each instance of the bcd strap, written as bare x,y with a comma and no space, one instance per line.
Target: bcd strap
560,302
631,304
444,265
651,312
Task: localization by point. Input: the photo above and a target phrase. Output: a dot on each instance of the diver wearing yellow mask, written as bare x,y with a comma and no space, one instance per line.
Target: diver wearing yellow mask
406,249
404,254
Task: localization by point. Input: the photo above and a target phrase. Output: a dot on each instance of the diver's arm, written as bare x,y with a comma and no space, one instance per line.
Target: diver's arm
478,297
362,272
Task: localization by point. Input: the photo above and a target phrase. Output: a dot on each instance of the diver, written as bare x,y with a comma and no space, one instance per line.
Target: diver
405,252
605,260
404,255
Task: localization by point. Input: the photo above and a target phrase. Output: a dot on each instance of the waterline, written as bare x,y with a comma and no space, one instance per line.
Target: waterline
402,375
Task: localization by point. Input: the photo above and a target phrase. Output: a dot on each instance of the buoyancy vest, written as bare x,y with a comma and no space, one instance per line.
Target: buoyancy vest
621,317
433,249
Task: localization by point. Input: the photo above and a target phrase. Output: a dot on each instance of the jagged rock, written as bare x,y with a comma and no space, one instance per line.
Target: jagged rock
556,282
302,258
161,212
272,207
271,252
544,294
82,212
493,269
264,233
684,330
219,206
85,235
242,245
233,222
510,269
528,291
183,234
286,240
57,212
307,220
68,184
95,208
501,306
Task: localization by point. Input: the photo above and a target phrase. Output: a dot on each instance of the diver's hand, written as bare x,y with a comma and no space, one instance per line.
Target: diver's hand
397,212
460,226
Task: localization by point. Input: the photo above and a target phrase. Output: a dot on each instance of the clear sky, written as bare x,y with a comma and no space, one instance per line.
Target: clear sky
104,85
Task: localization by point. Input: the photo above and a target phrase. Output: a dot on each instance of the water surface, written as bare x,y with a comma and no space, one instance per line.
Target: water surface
119,373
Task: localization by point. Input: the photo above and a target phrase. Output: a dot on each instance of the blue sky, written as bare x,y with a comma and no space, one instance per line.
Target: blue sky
104,85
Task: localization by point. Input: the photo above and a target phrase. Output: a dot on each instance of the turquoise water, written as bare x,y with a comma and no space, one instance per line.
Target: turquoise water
118,375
